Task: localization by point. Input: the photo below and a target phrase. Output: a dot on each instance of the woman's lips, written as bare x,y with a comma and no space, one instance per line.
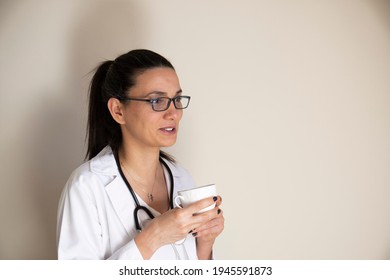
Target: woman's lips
168,130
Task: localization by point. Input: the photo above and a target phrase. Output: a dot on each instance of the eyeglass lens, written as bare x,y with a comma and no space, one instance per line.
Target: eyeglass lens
163,103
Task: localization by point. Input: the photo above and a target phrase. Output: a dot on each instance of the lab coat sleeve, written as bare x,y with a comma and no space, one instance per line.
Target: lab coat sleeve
80,229
128,252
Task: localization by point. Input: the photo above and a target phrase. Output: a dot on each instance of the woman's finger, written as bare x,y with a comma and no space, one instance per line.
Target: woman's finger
218,220
209,224
211,232
201,204
219,201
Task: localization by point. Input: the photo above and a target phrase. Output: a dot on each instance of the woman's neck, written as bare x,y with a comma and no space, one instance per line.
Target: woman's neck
139,162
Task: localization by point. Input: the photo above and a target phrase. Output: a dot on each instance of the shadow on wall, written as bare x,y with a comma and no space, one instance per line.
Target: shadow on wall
102,30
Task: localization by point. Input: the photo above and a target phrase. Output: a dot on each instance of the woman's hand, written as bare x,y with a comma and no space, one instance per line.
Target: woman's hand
174,225
208,232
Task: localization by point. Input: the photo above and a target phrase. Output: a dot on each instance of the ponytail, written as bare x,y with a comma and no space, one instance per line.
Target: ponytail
102,130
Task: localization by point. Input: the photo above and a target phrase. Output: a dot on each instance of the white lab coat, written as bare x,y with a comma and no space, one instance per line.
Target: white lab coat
95,214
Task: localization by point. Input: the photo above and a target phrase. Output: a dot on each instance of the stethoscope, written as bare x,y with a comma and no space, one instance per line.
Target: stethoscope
139,207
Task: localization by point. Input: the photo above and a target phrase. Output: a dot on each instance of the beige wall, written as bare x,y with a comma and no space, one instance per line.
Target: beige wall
290,116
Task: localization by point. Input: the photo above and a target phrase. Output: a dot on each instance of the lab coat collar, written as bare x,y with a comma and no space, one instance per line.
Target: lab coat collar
104,163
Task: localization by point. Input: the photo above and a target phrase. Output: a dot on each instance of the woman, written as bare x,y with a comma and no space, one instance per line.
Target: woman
135,107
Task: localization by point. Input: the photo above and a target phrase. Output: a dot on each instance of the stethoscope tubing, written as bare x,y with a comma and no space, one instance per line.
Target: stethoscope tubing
138,206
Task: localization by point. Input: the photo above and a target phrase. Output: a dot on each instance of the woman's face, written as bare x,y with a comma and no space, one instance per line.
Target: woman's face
143,126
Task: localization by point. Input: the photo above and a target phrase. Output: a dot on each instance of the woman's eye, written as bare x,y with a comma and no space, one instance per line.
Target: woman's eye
157,101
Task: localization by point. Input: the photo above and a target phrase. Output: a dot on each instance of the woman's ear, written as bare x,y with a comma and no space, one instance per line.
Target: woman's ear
116,109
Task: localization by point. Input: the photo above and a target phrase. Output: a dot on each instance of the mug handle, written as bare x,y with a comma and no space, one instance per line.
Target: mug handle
177,203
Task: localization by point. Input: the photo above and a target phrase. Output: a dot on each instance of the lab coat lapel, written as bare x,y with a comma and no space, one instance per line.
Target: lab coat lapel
120,198
117,192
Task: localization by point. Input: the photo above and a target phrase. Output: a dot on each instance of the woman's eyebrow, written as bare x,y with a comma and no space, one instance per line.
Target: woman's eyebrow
162,93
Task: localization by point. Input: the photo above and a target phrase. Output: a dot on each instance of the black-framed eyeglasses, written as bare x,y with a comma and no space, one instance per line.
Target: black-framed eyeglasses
160,104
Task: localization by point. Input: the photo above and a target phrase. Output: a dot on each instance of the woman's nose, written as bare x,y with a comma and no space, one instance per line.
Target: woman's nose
172,112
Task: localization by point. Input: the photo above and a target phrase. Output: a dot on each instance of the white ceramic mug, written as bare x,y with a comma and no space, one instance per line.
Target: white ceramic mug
187,197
